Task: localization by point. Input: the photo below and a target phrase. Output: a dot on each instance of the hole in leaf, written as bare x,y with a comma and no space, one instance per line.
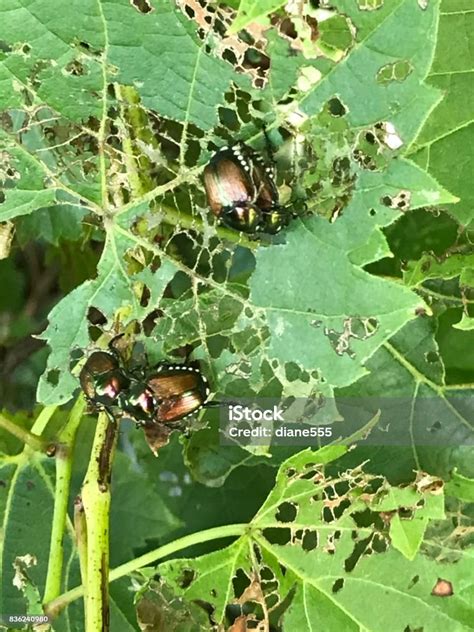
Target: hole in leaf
292,371
435,427
186,578
145,297
189,11
76,355
396,71
266,574
432,357
258,553
143,6
2,197
372,212
76,68
229,56
369,5
336,107
405,513
414,580
309,540
442,588
288,28
338,585
149,323
53,377
278,536
95,317
286,512
240,581
229,118
359,549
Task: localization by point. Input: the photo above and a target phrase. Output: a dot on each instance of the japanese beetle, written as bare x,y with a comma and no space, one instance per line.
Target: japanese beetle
241,191
102,379
164,394
168,394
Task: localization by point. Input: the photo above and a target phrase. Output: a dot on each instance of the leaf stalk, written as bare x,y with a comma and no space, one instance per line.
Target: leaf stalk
64,456
96,500
54,607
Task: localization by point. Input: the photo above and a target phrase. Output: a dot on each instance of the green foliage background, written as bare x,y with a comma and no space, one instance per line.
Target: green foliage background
110,110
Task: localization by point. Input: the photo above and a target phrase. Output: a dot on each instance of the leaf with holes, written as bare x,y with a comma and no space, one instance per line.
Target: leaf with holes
419,411
332,537
115,291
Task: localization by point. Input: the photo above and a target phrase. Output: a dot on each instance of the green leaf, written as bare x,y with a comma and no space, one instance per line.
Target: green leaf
461,487
378,42
213,570
26,491
186,496
168,67
434,419
138,512
158,608
31,191
430,267
332,327
52,224
114,289
334,560
465,324
453,343
407,535
251,10
444,145
396,589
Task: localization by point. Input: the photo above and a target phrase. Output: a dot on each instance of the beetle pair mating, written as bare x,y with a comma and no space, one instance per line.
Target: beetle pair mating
164,394
242,193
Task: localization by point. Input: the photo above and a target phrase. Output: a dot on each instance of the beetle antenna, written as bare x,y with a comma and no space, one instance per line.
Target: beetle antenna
215,403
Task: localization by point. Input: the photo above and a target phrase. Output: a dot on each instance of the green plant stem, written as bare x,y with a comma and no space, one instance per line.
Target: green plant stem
64,449
43,419
96,499
193,222
80,528
234,530
31,440
135,126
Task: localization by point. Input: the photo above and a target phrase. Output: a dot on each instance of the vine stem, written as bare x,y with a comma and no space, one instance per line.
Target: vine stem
31,440
64,449
174,217
54,607
43,419
80,529
96,500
